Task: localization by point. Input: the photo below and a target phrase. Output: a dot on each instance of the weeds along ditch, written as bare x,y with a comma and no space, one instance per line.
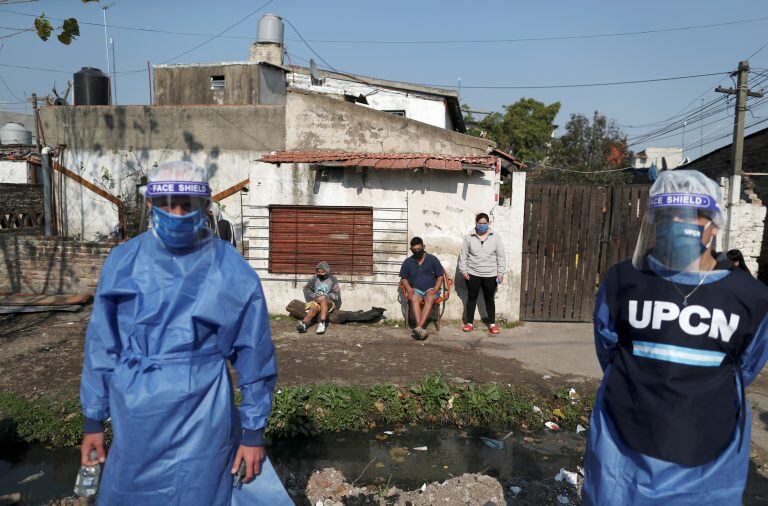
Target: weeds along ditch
310,410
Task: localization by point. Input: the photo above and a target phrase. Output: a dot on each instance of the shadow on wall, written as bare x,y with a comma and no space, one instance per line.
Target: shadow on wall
461,291
399,180
50,265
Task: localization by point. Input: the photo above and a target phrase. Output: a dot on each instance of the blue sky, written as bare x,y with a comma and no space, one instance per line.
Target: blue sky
521,63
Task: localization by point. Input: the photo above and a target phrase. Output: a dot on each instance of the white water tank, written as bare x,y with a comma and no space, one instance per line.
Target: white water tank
270,29
15,134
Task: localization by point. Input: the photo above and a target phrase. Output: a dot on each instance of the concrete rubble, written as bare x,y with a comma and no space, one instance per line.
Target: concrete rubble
330,488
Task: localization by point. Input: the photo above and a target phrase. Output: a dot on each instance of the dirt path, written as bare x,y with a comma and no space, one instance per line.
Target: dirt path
43,354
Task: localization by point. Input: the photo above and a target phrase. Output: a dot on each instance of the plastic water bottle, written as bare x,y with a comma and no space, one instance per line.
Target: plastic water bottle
87,482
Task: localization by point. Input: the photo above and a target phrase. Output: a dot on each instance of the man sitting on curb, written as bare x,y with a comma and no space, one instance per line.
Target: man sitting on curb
323,295
421,276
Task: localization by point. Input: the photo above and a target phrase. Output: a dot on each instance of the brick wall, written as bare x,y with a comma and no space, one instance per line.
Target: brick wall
21,207
35,264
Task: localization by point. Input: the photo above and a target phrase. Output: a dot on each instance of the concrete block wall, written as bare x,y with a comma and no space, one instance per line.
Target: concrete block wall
18,204
747,232
50,265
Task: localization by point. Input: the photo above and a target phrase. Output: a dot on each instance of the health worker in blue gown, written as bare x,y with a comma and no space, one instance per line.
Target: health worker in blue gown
172,306
679,333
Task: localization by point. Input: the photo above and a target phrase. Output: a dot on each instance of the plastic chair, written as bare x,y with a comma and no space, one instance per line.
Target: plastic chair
438,306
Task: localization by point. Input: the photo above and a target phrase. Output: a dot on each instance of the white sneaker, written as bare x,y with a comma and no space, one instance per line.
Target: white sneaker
321,328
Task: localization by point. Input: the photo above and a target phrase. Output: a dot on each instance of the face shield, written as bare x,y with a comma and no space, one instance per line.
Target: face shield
177,205
681,224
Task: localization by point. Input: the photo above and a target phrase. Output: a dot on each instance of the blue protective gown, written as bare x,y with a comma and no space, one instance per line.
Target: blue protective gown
163,324
615,474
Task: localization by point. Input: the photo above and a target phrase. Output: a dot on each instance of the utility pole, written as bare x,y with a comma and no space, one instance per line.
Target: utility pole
742,91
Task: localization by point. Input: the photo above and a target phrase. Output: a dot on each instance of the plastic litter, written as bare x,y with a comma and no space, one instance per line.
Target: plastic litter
496,444
547,376
389,432
573,395
420,449
32,477
567,477
423,487
552,426
580,428
536,409
515,490
563,500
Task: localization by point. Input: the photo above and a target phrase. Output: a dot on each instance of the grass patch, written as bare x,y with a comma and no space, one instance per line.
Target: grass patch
314,409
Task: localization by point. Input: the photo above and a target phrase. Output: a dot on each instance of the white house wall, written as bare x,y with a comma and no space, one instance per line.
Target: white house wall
439,207
420,107
89,216
12,171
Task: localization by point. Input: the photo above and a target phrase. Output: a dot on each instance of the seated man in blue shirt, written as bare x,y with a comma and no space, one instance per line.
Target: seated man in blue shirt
421,277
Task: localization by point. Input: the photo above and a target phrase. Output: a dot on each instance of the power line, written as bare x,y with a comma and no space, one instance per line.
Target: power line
24,67
10,90
427,42
579,85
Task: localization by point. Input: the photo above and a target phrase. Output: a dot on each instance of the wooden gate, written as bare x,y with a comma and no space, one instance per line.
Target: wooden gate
572,233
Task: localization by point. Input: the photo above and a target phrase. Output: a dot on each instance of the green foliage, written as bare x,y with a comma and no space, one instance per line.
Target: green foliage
43,27
46,421
524,129
70,29
312,409
433,394
594,147
289,416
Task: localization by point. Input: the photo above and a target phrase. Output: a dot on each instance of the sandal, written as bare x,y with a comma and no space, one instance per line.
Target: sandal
468,327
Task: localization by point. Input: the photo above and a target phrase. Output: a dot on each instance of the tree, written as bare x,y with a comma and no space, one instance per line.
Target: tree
596,148
70,29
524,129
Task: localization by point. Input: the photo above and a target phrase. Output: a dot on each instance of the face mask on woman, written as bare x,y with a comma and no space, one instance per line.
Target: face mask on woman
678,244
482,228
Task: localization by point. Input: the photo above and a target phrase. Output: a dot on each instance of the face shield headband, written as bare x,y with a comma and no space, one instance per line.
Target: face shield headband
177,231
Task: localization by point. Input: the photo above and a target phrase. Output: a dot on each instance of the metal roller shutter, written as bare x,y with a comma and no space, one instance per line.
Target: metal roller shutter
300,237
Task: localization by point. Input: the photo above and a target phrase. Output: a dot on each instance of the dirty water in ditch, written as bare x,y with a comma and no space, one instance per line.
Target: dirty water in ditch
405,457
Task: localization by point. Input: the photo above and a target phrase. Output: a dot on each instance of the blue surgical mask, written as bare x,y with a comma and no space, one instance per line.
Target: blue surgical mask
678,244
482,228
177,231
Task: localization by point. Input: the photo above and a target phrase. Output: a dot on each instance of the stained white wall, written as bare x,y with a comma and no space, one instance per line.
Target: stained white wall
13,171
89,216
421,107
439,207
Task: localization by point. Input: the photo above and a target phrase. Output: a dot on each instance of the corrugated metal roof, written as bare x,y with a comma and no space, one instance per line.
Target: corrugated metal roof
382,160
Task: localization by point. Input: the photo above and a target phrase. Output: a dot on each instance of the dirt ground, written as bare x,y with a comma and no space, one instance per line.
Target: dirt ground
42,354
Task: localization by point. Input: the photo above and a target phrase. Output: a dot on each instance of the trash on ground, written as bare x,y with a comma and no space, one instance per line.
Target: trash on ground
496,444
382,437
536,409
420,449
423,487
389,432
552,426
547,376
32,477
558,413
515,490
573,395
567,476
580,428
563,499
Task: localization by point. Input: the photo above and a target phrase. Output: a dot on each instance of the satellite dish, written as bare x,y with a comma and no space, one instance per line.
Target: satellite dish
313,73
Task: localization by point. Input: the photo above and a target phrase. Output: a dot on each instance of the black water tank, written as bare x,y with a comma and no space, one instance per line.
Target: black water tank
91,87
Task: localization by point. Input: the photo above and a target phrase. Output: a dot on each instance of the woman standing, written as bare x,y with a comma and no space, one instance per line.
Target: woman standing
483,264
